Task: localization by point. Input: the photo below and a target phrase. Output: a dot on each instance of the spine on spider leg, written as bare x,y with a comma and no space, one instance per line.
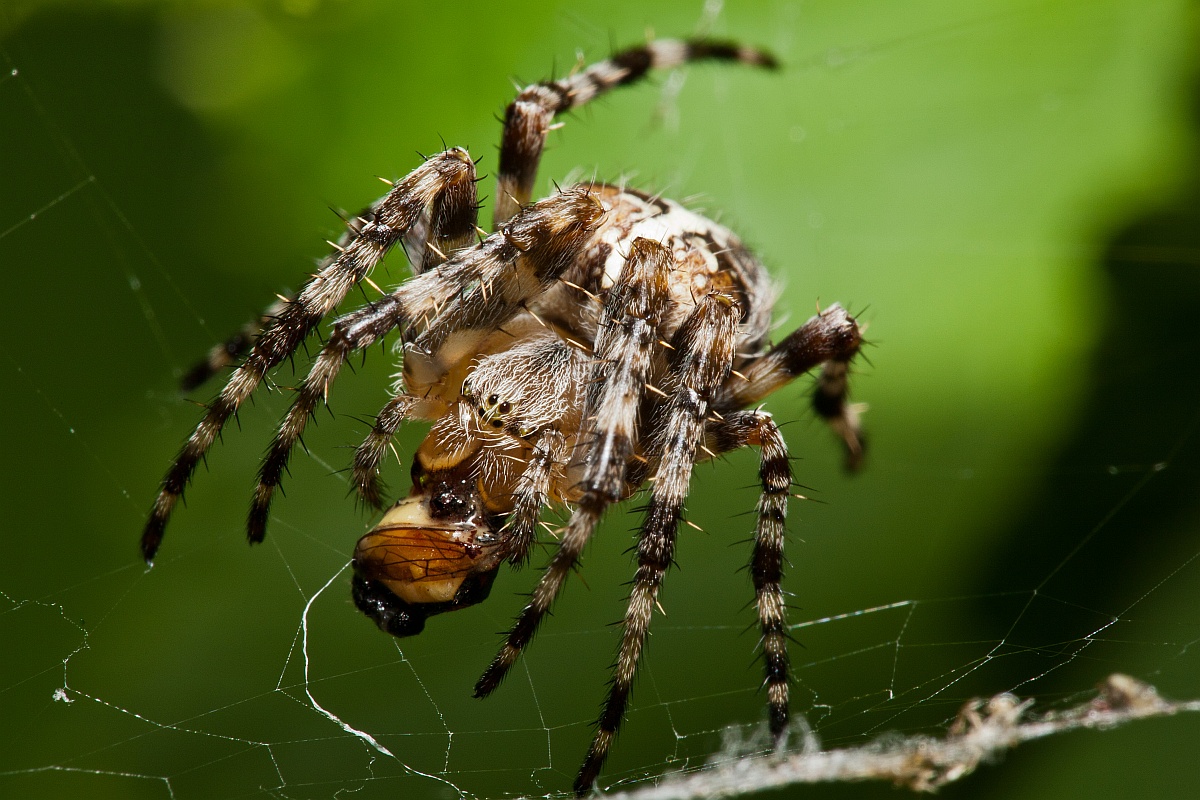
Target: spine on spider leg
528,118
702,355
624,347
392,218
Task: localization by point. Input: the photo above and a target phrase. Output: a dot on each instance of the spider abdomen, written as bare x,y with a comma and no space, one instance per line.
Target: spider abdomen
707,257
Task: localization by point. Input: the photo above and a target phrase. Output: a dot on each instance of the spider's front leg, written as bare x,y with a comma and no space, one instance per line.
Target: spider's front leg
478,289
447,227
702,355
393,218
624,352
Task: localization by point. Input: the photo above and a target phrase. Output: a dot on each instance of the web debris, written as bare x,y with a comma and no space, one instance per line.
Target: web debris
982,732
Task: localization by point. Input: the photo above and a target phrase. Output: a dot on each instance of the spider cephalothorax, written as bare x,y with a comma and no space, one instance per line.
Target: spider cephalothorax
600,340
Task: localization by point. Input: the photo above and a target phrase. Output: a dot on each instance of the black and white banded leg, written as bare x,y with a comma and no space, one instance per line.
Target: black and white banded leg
357,330
528,119
479,288
393,217
702,355
756,428
624,351
831,338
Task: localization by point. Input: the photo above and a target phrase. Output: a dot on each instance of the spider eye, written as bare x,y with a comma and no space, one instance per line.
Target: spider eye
493,399
505,407
497,424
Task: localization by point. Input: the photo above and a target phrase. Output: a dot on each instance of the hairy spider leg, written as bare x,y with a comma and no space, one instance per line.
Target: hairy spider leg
448,226
625,347
532,252
831,338
756,428
480,288
449,222
370,454
357,330
394,216
527,120
532,495
702,355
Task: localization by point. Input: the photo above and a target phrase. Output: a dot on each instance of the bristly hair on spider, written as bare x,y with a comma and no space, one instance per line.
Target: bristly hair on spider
598,341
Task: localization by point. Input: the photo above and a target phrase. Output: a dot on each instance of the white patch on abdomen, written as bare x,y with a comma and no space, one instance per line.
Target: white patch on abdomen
644,220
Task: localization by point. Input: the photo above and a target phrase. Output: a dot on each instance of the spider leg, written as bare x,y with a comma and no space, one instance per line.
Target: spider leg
399,210
371,452
702,357
447,227
355,331
742,429
831,338
229,351
479,288
531,495
527,120
483,287
624,352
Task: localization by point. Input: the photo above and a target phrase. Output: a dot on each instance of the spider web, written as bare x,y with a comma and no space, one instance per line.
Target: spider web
1010,189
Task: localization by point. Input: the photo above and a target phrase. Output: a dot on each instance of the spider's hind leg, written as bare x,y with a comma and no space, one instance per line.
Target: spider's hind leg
832,338
527,120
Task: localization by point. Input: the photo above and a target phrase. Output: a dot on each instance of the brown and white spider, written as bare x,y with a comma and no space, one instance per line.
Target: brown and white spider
601,339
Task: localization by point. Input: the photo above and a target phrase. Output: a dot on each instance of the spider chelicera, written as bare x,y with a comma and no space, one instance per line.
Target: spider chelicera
600,340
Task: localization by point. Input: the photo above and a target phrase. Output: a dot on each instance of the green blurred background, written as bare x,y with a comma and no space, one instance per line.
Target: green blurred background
1006,191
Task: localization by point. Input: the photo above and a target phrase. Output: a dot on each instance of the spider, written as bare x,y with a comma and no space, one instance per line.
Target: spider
600,340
